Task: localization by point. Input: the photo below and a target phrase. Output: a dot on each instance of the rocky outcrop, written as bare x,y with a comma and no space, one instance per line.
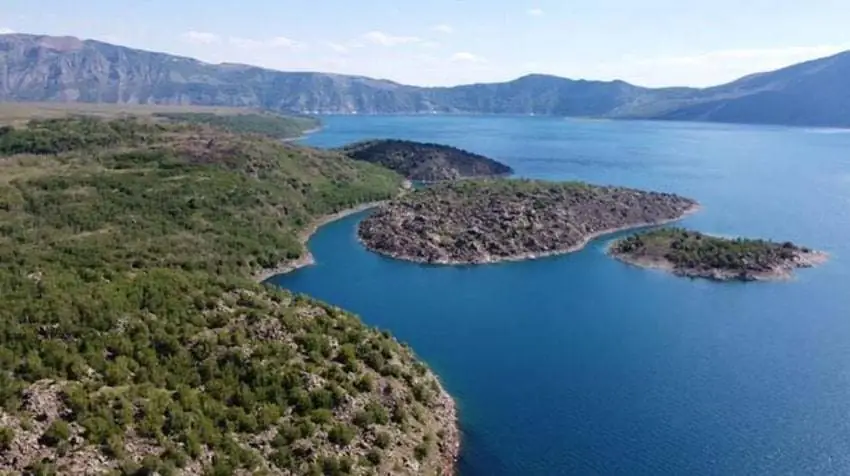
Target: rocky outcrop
696,255
423,162
484,221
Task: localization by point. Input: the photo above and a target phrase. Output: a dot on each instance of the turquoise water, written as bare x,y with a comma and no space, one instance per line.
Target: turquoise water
583,365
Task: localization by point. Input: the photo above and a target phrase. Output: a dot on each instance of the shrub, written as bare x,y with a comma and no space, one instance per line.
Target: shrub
58,432
341,435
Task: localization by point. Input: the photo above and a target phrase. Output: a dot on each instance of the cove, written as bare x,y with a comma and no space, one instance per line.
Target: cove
580,364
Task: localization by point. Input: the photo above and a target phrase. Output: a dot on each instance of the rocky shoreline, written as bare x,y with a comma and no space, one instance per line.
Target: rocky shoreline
480,222
695,255
534,256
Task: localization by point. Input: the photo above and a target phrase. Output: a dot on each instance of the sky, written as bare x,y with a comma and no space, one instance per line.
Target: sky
447,42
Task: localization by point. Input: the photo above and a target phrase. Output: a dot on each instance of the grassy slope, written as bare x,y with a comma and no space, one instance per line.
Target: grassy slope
232,119
129,327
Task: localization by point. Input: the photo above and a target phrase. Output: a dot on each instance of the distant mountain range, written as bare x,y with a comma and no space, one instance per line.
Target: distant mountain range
45,68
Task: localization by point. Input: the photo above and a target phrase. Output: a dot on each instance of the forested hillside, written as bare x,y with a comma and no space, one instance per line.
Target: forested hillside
133,339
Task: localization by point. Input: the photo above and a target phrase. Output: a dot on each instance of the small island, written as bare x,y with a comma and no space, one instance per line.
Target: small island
486,221
423,162
696,255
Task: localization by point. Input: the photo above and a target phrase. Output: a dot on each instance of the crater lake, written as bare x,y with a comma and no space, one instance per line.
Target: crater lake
580,364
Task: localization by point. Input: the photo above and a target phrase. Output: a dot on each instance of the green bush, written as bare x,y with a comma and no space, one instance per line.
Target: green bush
57,433
7,437
341,435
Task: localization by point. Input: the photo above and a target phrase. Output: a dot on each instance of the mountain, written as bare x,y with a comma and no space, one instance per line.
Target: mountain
45,68
425,162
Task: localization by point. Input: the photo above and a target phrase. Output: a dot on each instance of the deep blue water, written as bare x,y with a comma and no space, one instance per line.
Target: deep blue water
583,365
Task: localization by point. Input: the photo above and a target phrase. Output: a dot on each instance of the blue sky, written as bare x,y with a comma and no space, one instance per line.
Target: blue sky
444,42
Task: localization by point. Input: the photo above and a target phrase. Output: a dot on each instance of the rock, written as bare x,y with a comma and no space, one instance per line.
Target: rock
483,221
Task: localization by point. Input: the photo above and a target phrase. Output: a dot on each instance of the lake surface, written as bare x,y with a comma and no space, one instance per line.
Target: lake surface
583,365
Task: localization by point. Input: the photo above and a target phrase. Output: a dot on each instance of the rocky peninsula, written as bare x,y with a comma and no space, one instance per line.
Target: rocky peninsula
696,255
423,162
485,221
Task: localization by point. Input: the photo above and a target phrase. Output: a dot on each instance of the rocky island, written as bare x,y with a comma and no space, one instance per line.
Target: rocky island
133,339
696,255
423,162
485,221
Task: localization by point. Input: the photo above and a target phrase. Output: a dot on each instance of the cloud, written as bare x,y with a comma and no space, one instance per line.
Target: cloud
385,39
200,37
443,28
6,31
466,57
535,12
278,42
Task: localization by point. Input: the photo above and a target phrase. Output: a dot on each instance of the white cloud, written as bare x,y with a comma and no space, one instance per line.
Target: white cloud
281,42
385,39
6,31
200,37
443,28
466,57
535,12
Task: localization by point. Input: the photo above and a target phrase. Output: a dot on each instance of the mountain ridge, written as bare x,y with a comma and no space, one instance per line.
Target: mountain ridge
68,69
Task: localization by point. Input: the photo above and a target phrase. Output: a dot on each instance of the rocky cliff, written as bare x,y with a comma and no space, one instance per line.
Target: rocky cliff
44,68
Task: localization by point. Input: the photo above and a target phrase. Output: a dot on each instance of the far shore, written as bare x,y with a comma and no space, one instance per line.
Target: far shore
304,236
535,255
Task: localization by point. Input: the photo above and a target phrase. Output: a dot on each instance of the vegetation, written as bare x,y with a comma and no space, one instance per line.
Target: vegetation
694,254
426,162
480,221
268,124
132,337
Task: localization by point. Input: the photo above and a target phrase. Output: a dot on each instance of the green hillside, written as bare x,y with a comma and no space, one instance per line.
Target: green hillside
133,338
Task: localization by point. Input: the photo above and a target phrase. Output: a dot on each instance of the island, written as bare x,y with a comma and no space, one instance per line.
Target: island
697,255
428,163
135,340
486,221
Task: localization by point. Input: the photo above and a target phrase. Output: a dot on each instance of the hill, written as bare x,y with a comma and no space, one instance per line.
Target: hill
226,118
43,68
425,162
134,339
486,221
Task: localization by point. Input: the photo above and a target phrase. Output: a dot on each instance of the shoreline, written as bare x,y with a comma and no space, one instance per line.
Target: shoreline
303,135
534,255
780,272
304,235
450,451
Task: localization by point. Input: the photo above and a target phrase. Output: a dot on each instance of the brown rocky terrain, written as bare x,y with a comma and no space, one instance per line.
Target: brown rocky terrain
423,162
484,221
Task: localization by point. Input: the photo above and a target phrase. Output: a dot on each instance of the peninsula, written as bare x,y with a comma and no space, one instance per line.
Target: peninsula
485,221
133,339
423,162
696,255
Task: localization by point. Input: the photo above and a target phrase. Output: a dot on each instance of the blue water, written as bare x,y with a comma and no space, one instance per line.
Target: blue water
583,365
